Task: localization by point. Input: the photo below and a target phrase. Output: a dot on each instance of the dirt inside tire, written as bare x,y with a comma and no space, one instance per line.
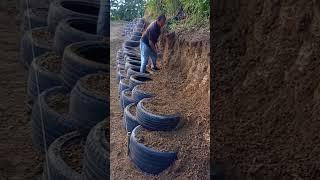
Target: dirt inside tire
159,106
128,93
133,110
73,154
51,62
125,81
161,141
97,83
59,102
43,36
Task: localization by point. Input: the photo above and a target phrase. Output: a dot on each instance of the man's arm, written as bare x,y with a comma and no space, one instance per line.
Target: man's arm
153,46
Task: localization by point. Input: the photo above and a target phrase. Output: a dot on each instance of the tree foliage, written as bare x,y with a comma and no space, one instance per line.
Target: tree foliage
127,9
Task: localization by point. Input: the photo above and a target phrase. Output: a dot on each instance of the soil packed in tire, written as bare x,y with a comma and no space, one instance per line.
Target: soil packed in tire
128,93
73,155
160,106
98,84
163,141
51,62
59,102
44,36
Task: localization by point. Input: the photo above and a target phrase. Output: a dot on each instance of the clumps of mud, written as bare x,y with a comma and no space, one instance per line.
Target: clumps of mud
59,102
160,106
97,83
50,61
73,155
159,140
43,36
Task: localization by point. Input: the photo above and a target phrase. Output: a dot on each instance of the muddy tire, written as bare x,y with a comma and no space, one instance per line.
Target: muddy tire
83,58
54,123
33,4
122,86
147,159
96,156
155,122
138,79
125,99
136,71
27,44
35,21
74,30
133,64
44,80
87,108
132,43
138,94
63,9
58,168
136,34
130,121
121,75
135,38
120,67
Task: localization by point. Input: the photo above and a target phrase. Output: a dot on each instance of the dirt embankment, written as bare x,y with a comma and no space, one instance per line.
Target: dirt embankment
266,88
184,82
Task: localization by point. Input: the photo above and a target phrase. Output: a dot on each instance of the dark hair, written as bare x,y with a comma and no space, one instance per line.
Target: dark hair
161,17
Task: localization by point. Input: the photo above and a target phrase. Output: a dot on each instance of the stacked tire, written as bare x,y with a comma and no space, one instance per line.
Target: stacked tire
66,30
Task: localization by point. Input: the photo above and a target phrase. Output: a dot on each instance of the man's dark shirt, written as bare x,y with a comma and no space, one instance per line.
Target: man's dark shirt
153,31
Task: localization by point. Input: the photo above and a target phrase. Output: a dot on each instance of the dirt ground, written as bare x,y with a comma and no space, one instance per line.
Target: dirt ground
184,78
266,98
18,159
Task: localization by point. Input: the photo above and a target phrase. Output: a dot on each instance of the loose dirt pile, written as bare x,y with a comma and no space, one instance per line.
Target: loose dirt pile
59,102
161,141
51,62
73,154
43,36
98,84
266,93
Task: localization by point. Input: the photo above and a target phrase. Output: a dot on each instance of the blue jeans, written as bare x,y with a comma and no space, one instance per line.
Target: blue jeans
103,19
147,52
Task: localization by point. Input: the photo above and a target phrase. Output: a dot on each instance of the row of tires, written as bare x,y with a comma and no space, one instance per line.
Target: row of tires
72,24
131,96
69,21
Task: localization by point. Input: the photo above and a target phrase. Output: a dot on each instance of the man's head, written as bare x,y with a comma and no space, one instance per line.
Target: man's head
161,20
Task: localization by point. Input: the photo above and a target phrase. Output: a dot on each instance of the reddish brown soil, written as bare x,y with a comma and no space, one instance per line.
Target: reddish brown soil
50,62
60,103
266,104
98,84
184,79
43,36
73,154
161,141
18,159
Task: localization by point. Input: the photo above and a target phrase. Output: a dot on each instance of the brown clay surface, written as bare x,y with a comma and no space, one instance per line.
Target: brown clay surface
98,84
73,155
60,103
18,159
184,79
43,36
50,62
266,106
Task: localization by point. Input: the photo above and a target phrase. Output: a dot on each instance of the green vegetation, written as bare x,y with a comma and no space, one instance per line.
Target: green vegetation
197,11
127,9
